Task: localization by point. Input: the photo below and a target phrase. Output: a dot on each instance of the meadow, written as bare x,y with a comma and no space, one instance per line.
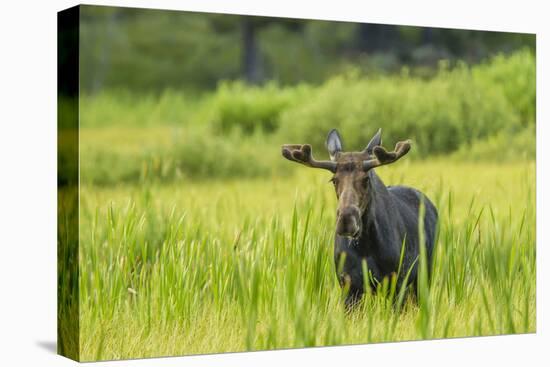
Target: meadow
196,236
247,265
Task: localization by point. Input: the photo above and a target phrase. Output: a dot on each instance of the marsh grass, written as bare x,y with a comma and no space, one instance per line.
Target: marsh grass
238,265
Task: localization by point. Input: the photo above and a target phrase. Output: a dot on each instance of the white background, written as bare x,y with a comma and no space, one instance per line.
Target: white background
28,182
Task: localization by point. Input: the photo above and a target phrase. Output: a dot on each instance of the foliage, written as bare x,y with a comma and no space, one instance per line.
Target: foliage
248,108
148,50
456,107
515,76
238,129
122,108
501,147
115,156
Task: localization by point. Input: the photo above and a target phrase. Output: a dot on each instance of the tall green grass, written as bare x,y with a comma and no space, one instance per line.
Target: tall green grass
234,265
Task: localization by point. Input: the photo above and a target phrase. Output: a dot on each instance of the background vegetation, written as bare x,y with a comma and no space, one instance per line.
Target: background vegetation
151,50
485,111
193,235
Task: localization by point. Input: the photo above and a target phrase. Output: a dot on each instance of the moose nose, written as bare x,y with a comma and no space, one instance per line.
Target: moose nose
349,222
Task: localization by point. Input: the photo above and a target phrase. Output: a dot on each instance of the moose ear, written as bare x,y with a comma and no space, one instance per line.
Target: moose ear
333,143
375,141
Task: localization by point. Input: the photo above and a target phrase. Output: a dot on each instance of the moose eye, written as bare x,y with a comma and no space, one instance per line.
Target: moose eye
334,180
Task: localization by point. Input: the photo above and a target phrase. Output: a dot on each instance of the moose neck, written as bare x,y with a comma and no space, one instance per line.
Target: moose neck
377,206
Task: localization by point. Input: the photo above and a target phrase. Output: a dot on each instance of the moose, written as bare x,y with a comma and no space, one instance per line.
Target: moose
375,223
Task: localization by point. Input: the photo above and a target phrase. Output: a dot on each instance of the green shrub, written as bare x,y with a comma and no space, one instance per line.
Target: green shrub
501,147
123,108
439,114
204,155
515,76
109,157
250,108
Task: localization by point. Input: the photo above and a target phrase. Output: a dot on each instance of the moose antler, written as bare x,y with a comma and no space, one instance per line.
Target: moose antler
382,156
301,153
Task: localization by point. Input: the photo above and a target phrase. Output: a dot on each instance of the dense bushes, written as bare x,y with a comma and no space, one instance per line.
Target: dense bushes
454,108
501,147
248,108
515,77
439,115
474,112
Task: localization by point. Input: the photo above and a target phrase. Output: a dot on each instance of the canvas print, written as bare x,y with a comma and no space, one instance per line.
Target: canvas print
232,183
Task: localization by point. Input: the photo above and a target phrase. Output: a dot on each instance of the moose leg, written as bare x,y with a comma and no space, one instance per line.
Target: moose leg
375,272
354,294
357,286
351,277
348,270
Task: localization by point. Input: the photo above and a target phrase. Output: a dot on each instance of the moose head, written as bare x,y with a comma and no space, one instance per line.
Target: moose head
352,175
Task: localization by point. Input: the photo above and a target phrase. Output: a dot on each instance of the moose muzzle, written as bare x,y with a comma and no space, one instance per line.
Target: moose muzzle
348,223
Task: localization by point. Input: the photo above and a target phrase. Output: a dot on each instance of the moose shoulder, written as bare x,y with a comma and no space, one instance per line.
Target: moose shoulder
373,221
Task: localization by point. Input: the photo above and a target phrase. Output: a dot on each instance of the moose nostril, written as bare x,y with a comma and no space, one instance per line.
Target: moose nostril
352,225
351,212
348,223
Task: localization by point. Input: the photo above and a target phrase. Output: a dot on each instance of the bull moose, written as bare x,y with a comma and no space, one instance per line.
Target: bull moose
374,222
